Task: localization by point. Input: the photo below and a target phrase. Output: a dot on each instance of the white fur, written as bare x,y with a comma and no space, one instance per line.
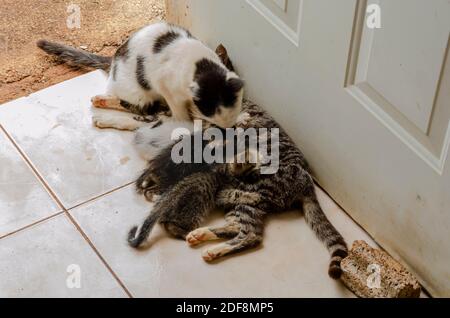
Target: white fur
170,72
150,141
116,120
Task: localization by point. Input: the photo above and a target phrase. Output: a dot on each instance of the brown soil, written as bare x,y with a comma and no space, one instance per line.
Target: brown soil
104,26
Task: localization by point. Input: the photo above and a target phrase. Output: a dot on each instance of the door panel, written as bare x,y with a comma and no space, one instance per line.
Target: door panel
369,108
399,77
414,66
284,15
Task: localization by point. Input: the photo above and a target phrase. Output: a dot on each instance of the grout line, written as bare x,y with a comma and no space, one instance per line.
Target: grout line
33,169
32,224
65,211
78,227
100,196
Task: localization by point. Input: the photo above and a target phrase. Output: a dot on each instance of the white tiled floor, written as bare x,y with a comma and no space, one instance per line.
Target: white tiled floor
54,129
88,173
23,199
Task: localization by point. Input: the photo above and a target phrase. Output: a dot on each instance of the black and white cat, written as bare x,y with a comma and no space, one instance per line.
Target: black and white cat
161,63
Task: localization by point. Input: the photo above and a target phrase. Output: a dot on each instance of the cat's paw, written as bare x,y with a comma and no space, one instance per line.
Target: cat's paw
200,235
216,252
243,119
106,101
102,121
114,121
152,194
147,184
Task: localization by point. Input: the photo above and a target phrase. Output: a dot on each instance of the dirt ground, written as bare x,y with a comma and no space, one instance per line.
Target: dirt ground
104,24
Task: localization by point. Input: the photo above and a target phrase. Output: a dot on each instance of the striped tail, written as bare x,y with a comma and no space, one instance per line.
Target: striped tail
135,238
327,233
75,56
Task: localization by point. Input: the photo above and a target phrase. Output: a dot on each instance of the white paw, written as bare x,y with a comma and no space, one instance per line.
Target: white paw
100,121
208,256
105,101
243,119
200,235
216,252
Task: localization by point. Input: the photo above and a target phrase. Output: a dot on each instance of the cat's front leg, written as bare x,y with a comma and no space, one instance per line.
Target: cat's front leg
108,102
117,121
180,109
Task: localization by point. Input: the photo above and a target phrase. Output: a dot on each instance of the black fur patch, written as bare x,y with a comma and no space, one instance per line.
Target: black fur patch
188,33
214,89
165,40
157,124
122,51
157,107
335,272
125,104
335,263
140,73
340,253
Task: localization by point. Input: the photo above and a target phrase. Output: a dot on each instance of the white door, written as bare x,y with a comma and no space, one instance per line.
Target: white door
370,108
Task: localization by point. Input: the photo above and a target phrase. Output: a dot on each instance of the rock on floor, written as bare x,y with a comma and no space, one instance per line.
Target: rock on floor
371,273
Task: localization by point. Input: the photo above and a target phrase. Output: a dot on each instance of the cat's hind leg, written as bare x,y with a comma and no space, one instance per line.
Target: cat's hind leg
204,234
250,222
251,225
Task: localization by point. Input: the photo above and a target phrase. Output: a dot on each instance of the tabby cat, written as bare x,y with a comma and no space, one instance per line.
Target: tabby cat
189,191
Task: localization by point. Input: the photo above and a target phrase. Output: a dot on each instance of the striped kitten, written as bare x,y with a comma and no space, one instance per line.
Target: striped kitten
159,64
190,191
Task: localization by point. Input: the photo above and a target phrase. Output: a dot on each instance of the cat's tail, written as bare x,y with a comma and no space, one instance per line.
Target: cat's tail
135,238
327,233
75,56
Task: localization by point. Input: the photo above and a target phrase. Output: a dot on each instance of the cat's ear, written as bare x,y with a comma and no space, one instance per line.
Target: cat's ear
222,53
194,88
235,84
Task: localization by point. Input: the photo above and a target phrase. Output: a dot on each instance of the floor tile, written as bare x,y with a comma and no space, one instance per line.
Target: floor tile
42,261
23,199
54,129
291,263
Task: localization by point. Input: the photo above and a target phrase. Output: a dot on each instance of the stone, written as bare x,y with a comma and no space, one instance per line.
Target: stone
372,273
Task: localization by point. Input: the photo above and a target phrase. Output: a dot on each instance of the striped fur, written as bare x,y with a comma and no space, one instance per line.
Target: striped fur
75,56
246,195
